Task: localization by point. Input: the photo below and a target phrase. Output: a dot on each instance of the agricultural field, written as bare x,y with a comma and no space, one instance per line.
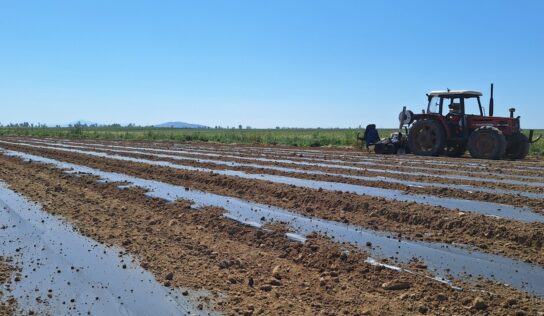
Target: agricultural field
170,227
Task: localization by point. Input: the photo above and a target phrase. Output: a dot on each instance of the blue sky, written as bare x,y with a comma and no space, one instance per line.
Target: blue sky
263,63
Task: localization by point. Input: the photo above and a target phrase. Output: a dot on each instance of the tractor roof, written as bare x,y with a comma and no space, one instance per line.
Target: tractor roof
456,93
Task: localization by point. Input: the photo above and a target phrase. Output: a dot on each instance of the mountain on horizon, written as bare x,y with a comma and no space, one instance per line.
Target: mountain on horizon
179,125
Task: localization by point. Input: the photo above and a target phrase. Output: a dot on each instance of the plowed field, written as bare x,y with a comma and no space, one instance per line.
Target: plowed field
177,228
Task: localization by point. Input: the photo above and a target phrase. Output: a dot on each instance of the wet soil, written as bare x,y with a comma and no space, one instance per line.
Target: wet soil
250,271
411,220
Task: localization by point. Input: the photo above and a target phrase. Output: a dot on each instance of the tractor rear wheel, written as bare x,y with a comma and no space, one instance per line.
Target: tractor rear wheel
426,138
455,150
519,148
487,142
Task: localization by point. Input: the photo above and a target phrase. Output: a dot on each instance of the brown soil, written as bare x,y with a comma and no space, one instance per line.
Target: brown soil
8,304
397,163
411,220
511,199
257,271
348,156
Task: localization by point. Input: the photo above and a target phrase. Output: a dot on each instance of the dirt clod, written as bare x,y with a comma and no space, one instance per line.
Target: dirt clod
169,276
396,285
479,304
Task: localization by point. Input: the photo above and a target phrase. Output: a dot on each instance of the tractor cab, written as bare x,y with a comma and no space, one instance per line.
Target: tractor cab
455,101
453,105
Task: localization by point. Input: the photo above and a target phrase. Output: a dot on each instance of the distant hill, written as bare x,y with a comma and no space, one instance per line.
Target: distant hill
180,125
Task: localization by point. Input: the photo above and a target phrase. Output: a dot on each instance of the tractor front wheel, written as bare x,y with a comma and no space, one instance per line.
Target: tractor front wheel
518,148
426,138
487,142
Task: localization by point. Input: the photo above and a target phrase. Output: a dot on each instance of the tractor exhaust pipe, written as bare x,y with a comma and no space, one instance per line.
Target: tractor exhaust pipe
491,103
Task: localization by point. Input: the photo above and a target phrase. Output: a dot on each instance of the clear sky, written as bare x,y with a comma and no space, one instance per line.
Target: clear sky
263,63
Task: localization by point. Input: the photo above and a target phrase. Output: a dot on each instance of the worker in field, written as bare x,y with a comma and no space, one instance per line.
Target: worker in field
370,136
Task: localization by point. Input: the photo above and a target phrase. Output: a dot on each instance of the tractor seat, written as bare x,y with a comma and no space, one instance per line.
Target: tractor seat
455,108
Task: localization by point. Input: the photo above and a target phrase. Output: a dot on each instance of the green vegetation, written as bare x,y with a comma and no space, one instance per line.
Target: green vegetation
292,137
538,147
283,136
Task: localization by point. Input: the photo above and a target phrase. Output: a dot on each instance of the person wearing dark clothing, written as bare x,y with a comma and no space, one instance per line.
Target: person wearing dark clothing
371,135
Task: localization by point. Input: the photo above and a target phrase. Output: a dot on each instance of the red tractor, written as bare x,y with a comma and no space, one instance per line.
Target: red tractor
436,132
